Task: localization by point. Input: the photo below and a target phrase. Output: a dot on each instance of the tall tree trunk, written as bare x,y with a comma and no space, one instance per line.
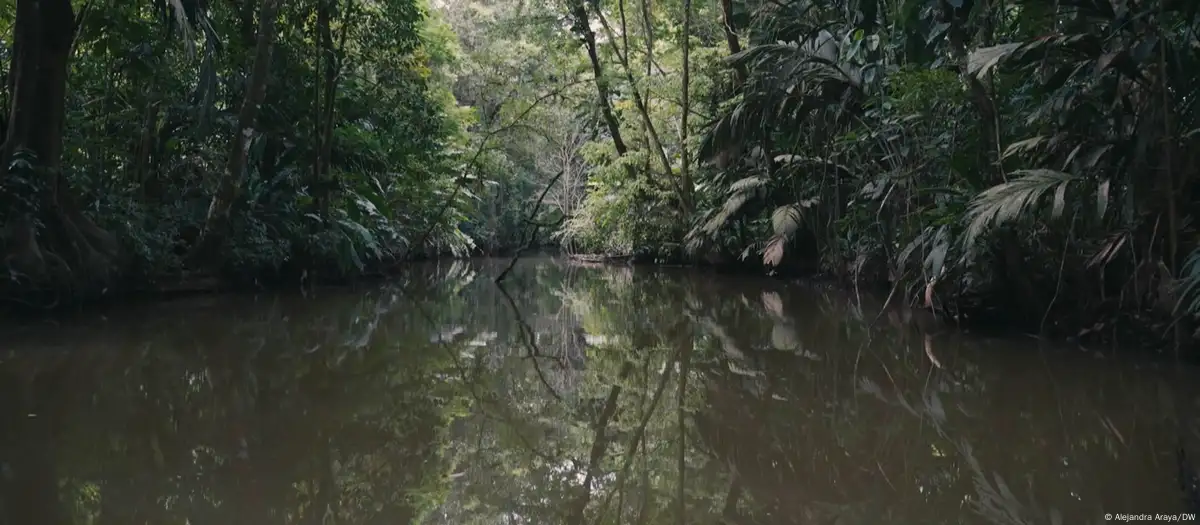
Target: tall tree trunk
740,75
729,512
332,65
685,171
73,245
318,87
246,19
639,103
981,97
648,22
216,224
145,145
731,39
583,27
333,68
42,44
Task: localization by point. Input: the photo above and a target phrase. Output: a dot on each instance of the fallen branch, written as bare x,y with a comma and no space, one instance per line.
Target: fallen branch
532,233
458,184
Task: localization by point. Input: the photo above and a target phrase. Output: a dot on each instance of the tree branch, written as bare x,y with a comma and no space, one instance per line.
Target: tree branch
533,233
479,151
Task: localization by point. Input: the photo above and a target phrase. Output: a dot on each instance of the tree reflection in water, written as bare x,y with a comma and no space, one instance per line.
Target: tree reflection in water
571,395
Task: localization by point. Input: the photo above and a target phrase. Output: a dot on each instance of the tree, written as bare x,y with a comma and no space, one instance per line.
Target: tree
216,225
321,179
46,235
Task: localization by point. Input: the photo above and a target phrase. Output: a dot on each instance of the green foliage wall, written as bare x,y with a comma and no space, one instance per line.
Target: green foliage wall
152,107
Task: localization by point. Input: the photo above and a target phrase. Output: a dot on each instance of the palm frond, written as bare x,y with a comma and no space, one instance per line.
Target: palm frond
1025,146
756,55
936,243
744,122
792,79
747,184
773,252
1109,249
920,240
1004,202
1189,281
187,16
981,61
732,205
785,221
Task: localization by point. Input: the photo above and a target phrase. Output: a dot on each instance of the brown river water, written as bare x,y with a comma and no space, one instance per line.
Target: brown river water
575,395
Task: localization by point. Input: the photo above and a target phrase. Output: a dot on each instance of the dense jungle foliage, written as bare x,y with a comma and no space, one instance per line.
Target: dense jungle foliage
1020,159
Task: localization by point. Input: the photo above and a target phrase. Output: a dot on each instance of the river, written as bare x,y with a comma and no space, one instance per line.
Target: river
574,394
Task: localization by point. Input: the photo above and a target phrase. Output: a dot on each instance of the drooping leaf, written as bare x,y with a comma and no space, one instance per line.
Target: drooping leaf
935,262
748,183
784,337
1090,160
773,253
773,303
1007,201
1189,280
982,60
1108,250
731,206
1102,198
1060,201
906,253
1022,146
786,219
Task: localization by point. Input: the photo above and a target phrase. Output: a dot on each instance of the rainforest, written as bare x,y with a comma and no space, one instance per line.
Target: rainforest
989,160
599,262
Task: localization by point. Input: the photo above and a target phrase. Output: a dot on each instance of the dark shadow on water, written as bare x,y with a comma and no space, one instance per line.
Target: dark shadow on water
443,399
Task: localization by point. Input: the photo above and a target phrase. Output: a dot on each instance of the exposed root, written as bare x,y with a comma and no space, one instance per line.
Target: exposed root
24,256
68,253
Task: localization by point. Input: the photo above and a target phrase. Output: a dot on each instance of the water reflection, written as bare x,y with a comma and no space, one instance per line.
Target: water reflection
571,395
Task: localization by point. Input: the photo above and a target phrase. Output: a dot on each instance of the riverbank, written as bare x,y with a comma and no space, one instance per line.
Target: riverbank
29,301
1147,331
1152,334
26,301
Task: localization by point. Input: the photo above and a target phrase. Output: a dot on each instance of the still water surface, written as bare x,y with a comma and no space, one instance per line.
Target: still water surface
573,395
